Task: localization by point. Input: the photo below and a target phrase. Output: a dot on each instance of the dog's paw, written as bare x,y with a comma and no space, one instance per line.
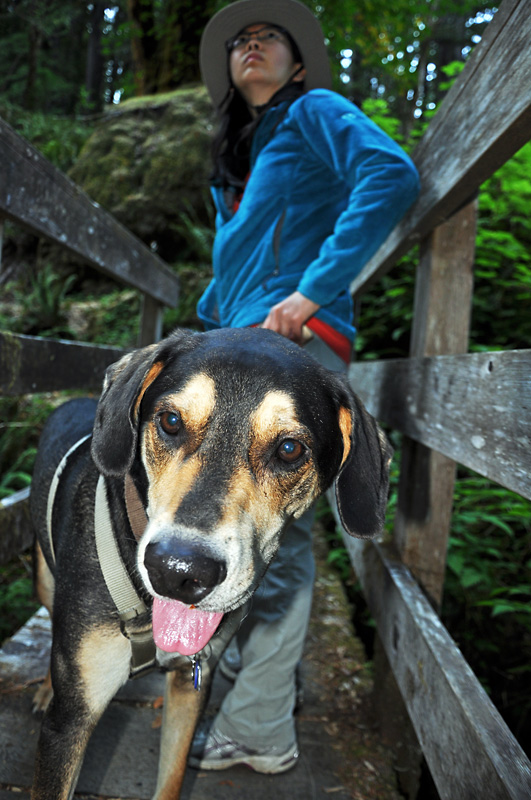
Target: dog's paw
43,695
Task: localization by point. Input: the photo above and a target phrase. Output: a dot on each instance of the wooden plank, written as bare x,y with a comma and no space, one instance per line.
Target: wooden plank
444,287
469,749
441,323
16,532
473,408
29,364
150,322
482,122
38,196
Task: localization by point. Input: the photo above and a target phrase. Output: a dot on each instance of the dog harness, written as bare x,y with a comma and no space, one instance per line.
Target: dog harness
130,606
135,619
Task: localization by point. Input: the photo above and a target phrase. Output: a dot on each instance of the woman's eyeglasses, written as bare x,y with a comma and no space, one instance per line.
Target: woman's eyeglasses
267,35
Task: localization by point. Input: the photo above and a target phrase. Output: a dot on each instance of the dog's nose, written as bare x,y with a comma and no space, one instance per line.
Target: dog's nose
182,571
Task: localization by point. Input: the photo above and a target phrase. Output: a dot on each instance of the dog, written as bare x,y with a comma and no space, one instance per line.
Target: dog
182,477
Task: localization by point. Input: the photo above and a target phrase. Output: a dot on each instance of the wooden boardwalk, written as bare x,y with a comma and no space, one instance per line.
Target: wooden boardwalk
341,756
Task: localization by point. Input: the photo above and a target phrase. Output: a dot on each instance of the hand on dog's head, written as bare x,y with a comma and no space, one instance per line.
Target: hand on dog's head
354,453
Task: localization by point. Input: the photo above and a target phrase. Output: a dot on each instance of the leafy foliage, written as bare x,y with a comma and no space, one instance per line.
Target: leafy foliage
41,304
21,422
503,258
488,591
17,602
59,139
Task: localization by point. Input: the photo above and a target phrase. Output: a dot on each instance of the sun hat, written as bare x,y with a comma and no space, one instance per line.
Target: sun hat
291,15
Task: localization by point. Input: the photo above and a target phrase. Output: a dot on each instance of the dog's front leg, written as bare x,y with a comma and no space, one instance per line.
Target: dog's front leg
60,751
182,707
85,679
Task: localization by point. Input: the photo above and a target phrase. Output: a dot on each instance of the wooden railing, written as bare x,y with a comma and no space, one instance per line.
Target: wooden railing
40,198
451,406
34,194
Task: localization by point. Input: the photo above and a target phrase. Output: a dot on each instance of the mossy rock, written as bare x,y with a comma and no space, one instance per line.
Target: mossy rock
147,162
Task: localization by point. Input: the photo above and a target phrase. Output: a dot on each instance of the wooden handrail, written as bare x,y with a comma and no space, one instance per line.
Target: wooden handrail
36,195
473,408
469,749
29,364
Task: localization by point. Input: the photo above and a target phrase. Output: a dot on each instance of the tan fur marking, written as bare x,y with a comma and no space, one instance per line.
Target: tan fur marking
196,400
170,476
103,660
268,495
153,373
345,426
275,413
168,485
45,580
180,712
246,496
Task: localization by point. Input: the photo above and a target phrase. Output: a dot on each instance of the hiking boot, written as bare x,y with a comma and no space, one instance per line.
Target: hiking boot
213,750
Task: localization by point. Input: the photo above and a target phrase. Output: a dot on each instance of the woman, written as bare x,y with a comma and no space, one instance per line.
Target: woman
306,189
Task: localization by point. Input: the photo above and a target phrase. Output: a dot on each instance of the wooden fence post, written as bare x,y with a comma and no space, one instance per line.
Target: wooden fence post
150,322
441,323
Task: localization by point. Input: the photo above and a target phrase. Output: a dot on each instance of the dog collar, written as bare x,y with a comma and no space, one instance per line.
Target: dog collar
135,510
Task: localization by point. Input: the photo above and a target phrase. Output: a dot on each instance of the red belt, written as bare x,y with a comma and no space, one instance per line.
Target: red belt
336,341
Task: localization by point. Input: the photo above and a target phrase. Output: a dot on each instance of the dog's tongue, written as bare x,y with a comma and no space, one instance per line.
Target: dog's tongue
178,628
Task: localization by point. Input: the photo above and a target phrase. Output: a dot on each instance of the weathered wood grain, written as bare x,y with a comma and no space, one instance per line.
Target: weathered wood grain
470,751
38,196
474,408
29,364
482,122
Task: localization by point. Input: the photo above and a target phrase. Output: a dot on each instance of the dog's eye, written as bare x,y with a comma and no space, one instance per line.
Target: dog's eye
170,422
290,450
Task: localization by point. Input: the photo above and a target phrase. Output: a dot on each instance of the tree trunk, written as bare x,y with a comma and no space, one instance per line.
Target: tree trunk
34,47
143,46
94,64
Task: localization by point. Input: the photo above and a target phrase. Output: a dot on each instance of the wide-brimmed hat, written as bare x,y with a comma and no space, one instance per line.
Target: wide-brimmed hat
291,15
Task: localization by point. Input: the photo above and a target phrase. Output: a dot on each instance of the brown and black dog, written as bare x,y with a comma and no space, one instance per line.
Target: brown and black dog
200,450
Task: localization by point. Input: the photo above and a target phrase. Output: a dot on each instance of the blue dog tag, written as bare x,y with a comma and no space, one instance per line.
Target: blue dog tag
196,673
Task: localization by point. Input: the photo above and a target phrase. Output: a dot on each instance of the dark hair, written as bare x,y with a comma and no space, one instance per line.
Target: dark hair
231,146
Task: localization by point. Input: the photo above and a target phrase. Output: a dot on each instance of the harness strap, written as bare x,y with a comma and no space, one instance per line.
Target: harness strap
119,584
129,604
53,490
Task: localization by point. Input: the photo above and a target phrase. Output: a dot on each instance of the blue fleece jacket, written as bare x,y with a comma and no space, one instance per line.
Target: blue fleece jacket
325,190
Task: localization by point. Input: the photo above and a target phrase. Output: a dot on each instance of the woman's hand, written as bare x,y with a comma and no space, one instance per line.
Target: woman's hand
288,317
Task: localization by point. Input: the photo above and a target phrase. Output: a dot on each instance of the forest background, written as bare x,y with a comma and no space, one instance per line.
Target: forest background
65,68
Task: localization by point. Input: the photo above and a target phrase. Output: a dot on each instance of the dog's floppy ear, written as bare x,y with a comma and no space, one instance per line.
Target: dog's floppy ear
115,433
362,483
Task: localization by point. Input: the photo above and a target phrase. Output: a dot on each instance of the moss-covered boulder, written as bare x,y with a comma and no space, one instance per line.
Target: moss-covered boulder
147,163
